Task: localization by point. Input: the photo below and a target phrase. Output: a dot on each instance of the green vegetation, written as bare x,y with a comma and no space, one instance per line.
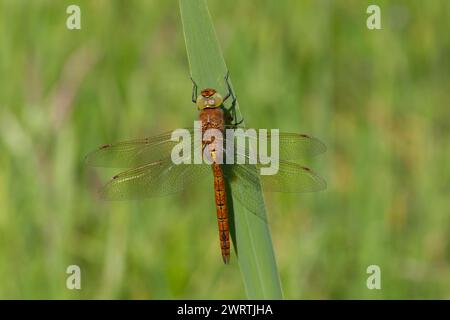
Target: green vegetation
378,99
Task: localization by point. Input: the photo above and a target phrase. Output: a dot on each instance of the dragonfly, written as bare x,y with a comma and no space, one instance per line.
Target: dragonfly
151,171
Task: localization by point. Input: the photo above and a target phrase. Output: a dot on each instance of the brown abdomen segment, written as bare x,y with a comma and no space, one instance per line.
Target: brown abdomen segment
222,212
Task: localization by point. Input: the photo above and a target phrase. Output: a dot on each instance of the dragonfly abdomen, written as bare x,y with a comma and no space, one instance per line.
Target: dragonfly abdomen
222,212
213,118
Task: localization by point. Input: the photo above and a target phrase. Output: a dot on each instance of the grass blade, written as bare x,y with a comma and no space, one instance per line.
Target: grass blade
251,235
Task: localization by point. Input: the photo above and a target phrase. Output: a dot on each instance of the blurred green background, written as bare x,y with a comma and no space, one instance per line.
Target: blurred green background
379,100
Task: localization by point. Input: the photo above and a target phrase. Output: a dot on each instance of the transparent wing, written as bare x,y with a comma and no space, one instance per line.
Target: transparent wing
155,179
246,188
292,177
292,146
246,182
133,153
158,178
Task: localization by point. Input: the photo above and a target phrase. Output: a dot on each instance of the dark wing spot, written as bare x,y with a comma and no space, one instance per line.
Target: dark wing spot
105,146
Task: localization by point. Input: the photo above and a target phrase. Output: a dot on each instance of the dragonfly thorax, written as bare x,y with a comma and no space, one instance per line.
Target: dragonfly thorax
209,98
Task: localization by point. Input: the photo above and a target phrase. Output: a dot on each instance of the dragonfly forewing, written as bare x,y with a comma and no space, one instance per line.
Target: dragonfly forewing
291,146
133,153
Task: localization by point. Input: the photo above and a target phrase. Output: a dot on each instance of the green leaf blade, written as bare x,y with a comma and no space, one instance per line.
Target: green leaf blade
250,234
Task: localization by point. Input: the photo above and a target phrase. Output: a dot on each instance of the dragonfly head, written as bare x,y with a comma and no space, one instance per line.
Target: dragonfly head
209,98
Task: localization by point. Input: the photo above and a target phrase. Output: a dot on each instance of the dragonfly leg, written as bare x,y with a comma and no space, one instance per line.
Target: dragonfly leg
232,116
232,108
236,123
194,91
230,91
